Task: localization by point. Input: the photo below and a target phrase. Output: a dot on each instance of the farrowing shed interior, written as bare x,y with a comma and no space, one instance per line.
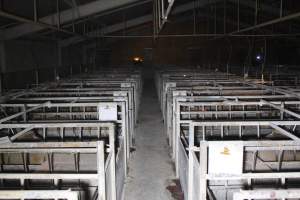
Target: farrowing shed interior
149,99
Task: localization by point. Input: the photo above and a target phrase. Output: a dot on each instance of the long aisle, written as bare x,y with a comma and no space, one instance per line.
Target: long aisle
150,167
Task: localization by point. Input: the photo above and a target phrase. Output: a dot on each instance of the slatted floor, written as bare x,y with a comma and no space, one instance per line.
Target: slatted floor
150,167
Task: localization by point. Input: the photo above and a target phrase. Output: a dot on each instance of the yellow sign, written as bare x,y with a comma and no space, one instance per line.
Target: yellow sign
225,151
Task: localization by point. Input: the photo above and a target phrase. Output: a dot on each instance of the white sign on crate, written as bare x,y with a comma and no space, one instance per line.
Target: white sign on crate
108,112
225,158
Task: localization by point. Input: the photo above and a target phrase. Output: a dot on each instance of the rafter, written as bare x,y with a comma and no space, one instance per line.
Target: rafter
65,17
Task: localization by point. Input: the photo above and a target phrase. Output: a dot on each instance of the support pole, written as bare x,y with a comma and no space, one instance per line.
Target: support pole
35,14
101,171
191,163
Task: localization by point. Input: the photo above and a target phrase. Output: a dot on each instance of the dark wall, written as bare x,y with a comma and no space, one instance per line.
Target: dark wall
30,62
26,55
72,55
238,52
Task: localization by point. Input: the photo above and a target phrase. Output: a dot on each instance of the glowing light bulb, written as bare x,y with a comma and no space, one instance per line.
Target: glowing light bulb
258,57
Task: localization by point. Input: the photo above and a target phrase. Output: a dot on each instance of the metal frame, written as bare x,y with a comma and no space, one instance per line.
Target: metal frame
39,194
199,108
69,110
267,194
66,147
91,88
64,112
249,177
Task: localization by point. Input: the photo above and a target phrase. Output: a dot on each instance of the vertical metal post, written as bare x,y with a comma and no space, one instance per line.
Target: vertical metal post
71,70
24,108
159,15
1,83
282,112
101,171
191,163
176,138
162,9
36,77
2,64
256,12
55,73
215,18
208,18
59,54
84,29
194,18
73,16
35,10
58,13
227,69
154,18
73,27
126,137
224,28
113,161
281,9
203,169
238,14
125,24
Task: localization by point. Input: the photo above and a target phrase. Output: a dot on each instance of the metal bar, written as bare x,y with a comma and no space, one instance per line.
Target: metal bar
58,13
101,171
85,10
201,35
40,145
22,113
39,194
284,132
281,109
203,171
21,133
281,9
256,12
224,28
55,125
191,164
44,176
113,159
274,21
238,13
273,175
244,123
266,194
35,10
38,23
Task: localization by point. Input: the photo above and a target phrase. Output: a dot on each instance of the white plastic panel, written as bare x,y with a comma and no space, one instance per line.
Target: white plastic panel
225,158
108,112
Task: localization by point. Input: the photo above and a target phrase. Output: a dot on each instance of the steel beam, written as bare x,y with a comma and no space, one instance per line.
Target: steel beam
134,22
284,132
268,23
66,17
34,24
281,109
23,112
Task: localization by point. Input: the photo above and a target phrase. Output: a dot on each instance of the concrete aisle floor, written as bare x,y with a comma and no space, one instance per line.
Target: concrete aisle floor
150,167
